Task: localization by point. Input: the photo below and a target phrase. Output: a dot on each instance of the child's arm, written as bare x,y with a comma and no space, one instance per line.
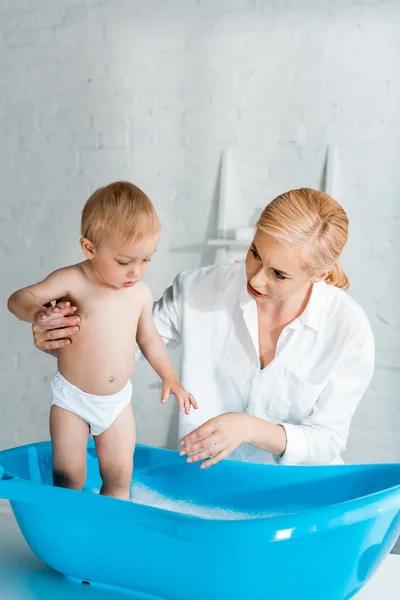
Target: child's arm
153,348
29,303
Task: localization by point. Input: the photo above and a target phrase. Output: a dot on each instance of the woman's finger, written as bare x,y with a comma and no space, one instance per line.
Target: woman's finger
208,453
50,338
215,459
209,445
58,334
44,317
201,432
40,317
53,345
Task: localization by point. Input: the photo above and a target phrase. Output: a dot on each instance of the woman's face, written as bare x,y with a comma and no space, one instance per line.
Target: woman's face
275,271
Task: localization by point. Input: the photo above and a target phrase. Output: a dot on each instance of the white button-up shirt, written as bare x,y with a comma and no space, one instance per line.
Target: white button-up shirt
323,364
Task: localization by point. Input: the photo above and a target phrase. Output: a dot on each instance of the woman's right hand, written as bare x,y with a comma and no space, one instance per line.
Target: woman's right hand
53,328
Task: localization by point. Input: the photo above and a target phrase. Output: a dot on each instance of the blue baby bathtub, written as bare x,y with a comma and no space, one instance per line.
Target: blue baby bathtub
312,533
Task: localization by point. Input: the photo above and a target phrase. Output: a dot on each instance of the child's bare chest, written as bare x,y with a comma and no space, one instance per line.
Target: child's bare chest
107,313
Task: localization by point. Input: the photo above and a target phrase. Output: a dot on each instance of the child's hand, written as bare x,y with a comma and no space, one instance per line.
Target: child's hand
54,315
173,386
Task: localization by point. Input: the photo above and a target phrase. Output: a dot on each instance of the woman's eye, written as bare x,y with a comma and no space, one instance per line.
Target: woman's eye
279,275
254,253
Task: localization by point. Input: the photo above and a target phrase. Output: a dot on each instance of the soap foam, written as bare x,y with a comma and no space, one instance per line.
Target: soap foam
144,495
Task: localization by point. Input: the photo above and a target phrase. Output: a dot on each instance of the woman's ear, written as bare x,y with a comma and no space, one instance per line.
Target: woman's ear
321,276
87,248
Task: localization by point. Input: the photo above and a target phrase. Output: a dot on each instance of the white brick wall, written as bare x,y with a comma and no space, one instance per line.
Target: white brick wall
93,91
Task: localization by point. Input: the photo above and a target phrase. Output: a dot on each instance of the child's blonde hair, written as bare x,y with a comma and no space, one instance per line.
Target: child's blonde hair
314,221
122,209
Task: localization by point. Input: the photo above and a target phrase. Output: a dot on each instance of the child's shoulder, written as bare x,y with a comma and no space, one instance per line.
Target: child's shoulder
75,271
143,292
71,279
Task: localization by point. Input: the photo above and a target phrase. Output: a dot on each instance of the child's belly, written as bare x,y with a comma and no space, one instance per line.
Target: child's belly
99,360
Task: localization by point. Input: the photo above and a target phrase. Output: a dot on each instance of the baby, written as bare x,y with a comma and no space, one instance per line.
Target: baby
92,389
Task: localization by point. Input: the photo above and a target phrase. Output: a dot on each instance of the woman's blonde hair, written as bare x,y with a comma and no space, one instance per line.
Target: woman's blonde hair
315,222
122,209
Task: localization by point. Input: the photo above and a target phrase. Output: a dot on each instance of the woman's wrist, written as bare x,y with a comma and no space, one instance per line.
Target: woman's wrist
249,427
264,435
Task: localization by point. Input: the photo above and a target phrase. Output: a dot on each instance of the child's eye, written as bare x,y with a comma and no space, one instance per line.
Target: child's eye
147,260
122,263
279,275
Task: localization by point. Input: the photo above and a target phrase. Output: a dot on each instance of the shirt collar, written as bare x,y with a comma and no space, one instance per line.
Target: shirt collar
313,314
244,297
315,311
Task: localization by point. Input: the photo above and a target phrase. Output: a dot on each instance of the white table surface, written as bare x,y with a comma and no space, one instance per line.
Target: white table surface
25,577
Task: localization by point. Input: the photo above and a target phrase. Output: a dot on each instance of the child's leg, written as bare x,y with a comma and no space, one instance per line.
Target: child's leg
69,437
115,448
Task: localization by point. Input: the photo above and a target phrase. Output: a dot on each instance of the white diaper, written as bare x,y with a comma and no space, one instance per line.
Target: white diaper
99,412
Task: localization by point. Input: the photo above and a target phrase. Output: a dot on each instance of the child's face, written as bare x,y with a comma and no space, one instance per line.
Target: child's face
121,265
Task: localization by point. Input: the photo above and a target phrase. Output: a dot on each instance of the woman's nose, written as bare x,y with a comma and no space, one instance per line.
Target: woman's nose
259,279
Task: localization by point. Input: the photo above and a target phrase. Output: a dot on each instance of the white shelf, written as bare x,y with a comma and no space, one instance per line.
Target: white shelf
228,242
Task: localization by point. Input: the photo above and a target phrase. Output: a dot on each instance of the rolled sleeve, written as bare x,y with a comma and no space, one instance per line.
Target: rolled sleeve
296,444
322,437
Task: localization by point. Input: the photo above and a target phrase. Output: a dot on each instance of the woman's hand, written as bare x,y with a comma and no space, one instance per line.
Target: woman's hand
216,439
53,328
173,386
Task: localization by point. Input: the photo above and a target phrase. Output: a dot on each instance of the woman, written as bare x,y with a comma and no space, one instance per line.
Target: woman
276,353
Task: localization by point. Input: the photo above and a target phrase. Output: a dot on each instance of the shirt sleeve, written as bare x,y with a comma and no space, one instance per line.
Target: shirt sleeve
322,437
167,315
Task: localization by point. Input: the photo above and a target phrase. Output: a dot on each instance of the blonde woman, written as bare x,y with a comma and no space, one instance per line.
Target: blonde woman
275,351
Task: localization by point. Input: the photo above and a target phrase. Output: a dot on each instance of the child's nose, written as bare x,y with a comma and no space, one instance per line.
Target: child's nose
133,273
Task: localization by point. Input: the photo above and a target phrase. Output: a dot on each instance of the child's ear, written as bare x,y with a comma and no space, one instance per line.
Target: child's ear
87,248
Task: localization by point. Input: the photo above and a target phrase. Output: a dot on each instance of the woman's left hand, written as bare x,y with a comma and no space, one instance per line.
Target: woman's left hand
216,439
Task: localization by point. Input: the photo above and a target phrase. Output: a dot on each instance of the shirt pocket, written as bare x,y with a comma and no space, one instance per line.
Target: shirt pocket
294,397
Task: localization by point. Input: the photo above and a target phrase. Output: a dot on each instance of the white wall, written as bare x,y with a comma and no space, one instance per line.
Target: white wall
151,91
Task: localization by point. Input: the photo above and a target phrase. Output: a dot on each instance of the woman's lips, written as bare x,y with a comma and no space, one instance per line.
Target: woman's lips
254,292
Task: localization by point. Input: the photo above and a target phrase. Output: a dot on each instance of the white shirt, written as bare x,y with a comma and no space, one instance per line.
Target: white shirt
323,364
